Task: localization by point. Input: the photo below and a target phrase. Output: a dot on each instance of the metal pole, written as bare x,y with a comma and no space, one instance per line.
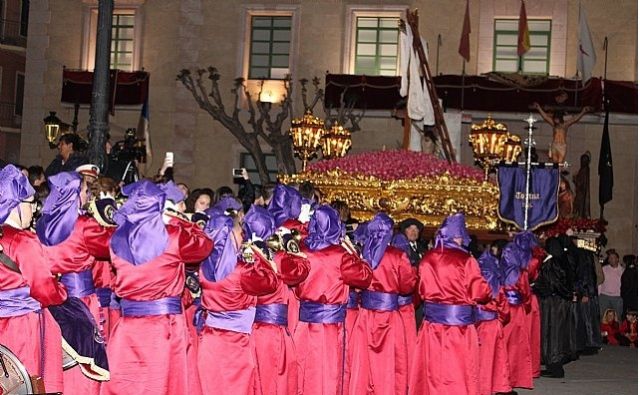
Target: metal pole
438,52
74,123
99,112
531,120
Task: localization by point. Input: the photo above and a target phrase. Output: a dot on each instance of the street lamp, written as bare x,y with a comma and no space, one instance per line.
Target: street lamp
336,142
52,126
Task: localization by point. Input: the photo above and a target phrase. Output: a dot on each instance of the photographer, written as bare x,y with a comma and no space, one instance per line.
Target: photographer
70,154
124,157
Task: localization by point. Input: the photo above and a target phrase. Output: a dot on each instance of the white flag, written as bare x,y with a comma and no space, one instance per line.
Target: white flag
586,52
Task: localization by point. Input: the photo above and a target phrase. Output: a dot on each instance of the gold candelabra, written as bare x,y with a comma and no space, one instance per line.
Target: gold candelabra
492,143
306,133
336,142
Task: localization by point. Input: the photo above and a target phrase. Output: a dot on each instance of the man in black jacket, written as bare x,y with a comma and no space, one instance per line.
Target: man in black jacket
70,147
412,229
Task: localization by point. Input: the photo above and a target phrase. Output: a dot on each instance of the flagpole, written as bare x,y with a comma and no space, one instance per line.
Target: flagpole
462,92
531,120
439,43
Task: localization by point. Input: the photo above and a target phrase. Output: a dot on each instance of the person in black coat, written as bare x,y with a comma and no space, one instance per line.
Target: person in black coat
629,283
554,288
70,147
412,229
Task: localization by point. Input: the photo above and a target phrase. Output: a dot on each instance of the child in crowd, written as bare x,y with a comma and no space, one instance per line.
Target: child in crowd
610,328
629,330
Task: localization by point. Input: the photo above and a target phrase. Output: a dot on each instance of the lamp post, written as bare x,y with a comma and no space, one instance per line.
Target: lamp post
99,113
306,133
52,128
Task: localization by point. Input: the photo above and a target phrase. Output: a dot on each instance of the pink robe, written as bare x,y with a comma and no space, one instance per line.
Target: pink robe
320,347
378,346
294,303
494,361
446,356
226,358
147,355
21,333
87,242
517,337
275,352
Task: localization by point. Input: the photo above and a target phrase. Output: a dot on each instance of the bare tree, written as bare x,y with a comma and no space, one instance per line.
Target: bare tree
261,125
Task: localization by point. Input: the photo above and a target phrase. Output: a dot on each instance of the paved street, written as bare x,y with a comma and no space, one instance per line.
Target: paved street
614,371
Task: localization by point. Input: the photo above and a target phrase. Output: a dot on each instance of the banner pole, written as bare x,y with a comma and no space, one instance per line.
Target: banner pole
531,120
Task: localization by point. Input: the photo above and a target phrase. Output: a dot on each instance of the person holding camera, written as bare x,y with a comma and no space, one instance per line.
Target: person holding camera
70,155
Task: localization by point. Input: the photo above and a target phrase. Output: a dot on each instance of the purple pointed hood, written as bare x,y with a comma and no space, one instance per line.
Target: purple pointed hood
172,192
360,234
258,223
454,226
61,208
285,204
325,228
490,269
14,188
512,262
378,236
399,240
228,202
526,241
141,234
224,257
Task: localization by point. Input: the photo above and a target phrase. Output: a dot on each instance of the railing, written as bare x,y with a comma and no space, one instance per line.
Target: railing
8,117
13,33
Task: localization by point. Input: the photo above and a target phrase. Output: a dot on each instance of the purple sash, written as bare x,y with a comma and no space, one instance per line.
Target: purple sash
513,297
449,314
380,301
320,313
235,320
104,296
274,313
352,303
79,284
115,302
146,308
485,315
16,302
405,300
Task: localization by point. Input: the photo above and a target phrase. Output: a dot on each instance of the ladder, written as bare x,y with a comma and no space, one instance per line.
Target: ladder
440,126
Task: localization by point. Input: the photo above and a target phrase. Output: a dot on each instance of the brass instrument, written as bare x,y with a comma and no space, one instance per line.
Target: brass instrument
249,252
287,242
102,210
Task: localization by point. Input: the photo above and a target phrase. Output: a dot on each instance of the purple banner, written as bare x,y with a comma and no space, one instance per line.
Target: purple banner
543,196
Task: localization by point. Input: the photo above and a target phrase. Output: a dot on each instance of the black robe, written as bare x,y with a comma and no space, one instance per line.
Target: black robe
629,289
555,291
587,315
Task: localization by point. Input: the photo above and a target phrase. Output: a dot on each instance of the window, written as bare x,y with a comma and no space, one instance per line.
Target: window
535,61
24,17
19,97
270,46
246,161
122,42
125,39
376,46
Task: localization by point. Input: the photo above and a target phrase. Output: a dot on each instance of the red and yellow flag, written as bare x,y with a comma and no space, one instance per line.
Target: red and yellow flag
523,32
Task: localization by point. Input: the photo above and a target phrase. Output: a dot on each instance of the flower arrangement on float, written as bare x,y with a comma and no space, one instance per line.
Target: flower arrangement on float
588,232
405,184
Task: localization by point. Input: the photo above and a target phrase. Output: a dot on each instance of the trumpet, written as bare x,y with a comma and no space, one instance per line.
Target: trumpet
287,242
102,210
347,245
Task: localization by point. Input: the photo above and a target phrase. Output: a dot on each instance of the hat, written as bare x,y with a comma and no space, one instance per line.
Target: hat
285,204
408,222
454,226
377,237
325,228
60,210
228,203
258,223
88,170
172,192
14,188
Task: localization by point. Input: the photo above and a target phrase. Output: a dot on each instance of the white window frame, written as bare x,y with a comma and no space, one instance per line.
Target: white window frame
90,30
353,13
292,11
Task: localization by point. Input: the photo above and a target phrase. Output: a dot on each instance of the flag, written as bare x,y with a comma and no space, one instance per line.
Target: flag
605,164
143,131
464,49
586,54
523,32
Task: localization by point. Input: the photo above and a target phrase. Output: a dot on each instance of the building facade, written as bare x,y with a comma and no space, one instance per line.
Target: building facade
263,41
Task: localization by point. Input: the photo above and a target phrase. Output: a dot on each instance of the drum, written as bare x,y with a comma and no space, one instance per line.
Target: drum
14,378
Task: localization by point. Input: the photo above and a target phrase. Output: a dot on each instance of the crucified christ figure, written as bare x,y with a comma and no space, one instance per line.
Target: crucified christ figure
558,148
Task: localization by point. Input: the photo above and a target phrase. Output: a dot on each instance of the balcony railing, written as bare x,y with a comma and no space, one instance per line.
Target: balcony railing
13,33
8,117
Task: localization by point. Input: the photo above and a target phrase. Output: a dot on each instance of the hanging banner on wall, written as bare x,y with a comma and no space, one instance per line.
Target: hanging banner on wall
543,196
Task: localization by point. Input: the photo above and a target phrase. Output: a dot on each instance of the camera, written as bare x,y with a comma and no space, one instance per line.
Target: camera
129,149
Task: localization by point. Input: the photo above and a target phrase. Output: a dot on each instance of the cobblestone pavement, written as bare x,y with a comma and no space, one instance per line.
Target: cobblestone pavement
613,371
